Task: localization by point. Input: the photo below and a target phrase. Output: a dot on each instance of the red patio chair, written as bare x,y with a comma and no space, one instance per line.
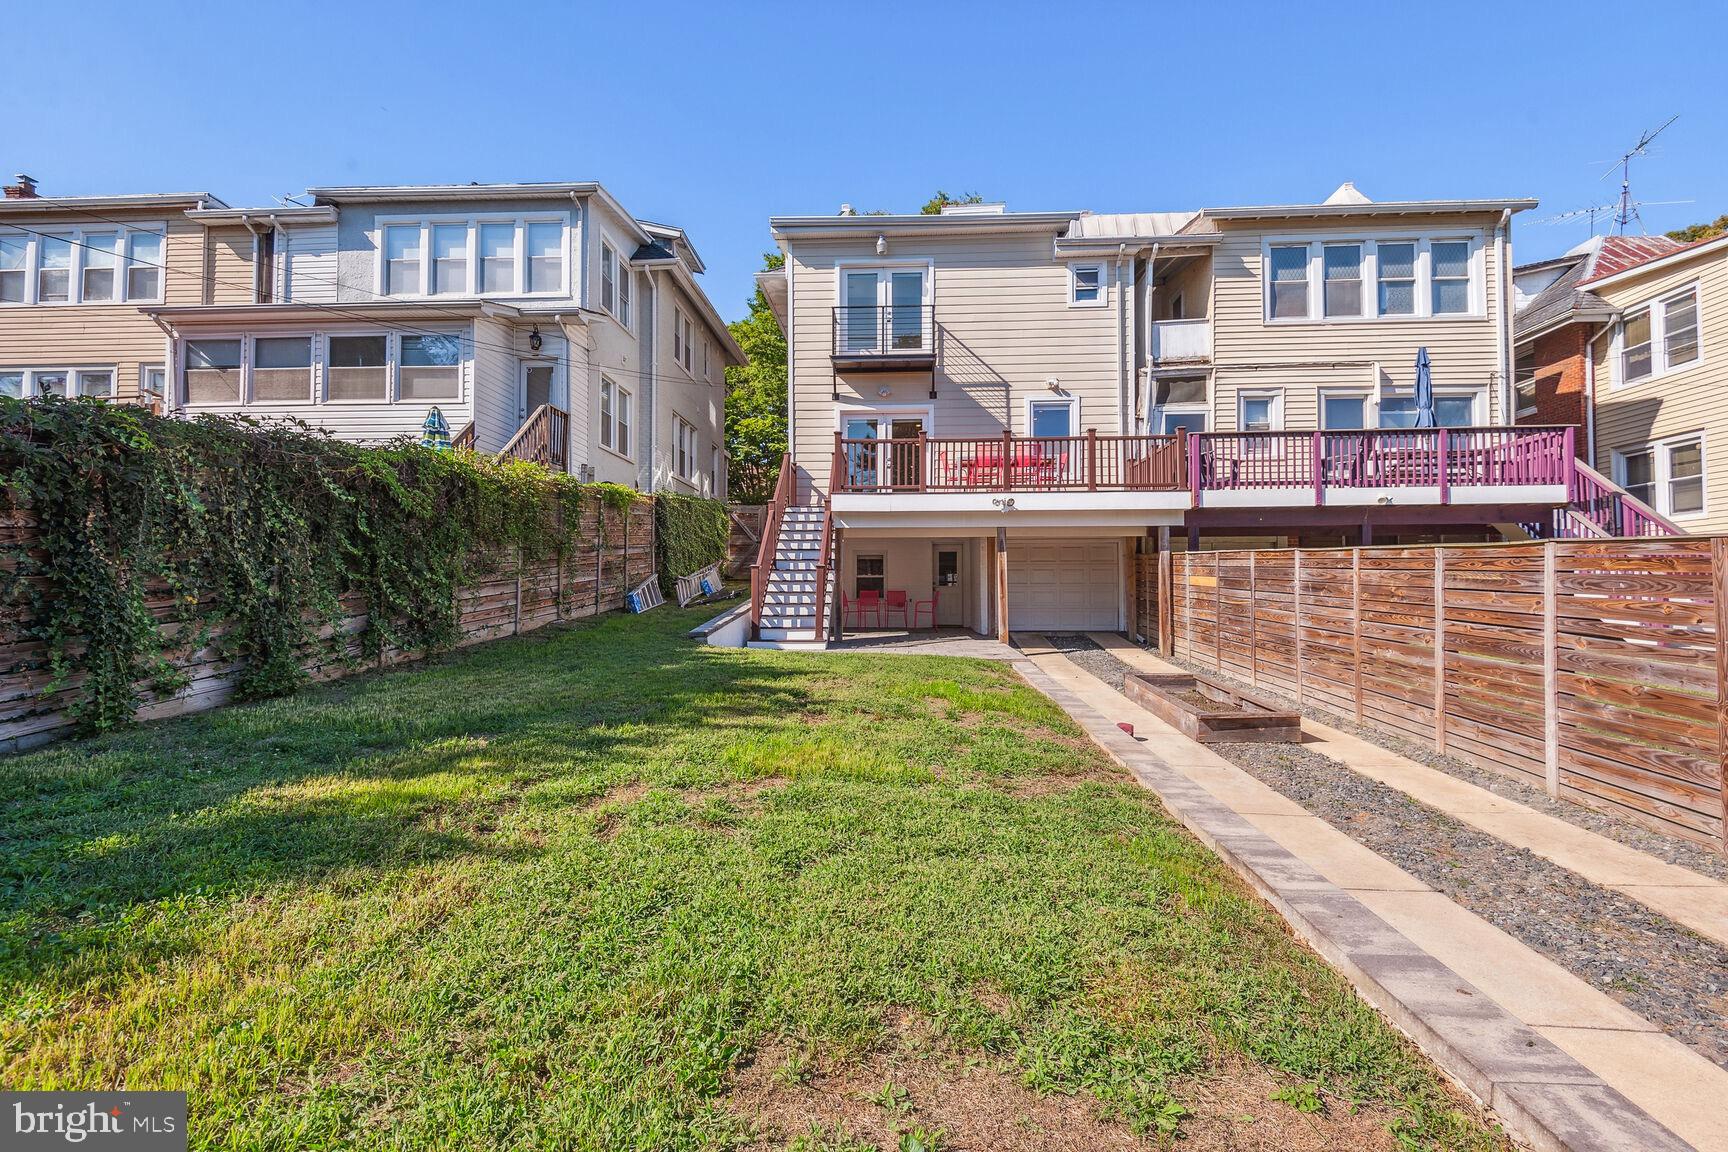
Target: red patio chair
919,607
896,602
868,601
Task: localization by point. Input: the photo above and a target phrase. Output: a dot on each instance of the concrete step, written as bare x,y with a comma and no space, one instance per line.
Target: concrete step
809,644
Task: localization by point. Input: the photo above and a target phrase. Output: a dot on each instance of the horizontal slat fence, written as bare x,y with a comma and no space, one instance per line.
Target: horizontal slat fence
1590,668
592,577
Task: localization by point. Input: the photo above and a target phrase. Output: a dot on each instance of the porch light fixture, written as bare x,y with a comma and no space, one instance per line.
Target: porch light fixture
534,341
881,245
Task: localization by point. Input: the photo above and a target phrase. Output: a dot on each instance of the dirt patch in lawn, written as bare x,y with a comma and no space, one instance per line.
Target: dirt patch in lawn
979,1104
609,809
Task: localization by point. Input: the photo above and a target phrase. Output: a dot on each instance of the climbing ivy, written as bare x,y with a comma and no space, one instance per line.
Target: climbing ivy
156,539
690,533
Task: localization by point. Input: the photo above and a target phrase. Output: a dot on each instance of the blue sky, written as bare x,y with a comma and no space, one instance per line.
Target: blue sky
714,118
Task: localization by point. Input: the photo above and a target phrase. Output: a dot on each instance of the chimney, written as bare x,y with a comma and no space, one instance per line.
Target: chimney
24,189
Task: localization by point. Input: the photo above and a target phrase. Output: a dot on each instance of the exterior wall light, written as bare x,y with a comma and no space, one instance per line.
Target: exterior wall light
534,340
881,245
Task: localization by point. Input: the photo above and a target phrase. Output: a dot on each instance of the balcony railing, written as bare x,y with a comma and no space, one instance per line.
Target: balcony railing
1286,463
1089,463
890,332
1181,340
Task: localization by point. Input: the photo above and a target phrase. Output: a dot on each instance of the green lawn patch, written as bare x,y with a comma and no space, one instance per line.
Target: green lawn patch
601,887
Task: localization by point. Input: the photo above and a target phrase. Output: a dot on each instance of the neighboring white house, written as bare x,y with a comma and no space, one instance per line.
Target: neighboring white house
541,319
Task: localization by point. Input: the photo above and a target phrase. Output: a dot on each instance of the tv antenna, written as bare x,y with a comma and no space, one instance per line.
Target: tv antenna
1595,210
1626,210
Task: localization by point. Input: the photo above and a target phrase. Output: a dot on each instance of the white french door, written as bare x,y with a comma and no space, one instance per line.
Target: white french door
882,310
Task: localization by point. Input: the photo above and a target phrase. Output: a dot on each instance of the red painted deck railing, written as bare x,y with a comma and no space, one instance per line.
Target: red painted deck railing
1599,507
1007,463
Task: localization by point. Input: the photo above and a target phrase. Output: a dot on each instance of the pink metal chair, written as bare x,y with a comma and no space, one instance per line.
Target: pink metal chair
920,607
896,602
868,601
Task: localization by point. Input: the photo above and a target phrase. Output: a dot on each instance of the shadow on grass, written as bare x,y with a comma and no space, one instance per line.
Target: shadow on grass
382,771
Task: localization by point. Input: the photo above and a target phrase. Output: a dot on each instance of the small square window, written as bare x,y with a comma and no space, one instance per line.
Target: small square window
1088,284
872,575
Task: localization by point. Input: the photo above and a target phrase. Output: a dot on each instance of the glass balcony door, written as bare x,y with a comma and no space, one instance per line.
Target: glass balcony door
882,309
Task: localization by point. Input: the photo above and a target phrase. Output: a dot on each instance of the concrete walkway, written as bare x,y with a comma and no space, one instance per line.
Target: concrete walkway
1562,1064
1682,895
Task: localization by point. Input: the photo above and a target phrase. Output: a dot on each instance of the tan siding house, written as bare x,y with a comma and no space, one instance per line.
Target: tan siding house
1661,372
74,273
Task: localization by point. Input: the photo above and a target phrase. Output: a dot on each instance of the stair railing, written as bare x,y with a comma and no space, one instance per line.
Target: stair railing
1609,509
822,563
784,488
543,439
465,438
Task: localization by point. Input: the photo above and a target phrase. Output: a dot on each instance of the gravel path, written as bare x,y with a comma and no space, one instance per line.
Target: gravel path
1672,977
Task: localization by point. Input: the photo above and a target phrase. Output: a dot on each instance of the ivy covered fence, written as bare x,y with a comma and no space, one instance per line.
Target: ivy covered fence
150,566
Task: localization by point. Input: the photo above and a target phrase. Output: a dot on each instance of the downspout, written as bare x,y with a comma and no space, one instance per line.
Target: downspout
1503,325
1124,346
1151,319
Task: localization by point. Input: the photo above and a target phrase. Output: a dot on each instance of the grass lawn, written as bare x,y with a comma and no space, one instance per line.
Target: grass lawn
599,887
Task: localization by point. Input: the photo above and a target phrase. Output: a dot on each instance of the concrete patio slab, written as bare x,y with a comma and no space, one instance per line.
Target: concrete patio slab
1470,1022
1686,897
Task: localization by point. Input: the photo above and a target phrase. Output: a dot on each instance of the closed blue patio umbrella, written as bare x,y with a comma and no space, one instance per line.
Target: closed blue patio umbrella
435,432
1424,391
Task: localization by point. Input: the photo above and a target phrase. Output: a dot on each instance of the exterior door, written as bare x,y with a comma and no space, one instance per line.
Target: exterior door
861,466
950,585
905,462
1064,586
536,388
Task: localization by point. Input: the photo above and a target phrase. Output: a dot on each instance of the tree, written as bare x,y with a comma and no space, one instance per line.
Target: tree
934,205
756,400
1716,227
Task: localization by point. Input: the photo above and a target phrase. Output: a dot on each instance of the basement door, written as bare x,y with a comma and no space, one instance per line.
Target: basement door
1064,585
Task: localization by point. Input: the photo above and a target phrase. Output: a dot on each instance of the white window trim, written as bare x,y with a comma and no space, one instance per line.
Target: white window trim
684,441
71,372
1370,406
1657,306
1102,267
1478,397
1073,403
75,272
473,220
1661,469
621,418
144,389
683,332
175,380
614,306
1370,241
1276,395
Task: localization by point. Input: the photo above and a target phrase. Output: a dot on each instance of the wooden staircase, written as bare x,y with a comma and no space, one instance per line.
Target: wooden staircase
544,439
791,583
1600,508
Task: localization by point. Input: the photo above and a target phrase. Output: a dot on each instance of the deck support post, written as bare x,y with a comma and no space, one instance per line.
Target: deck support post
1166,596
1002,584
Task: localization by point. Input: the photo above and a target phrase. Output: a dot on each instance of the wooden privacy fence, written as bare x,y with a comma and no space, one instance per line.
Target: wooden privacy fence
515,597
1593,669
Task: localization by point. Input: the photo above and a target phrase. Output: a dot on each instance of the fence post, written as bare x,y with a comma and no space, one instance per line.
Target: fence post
1356,629
1253,623
599,553
1217,612
1166,596
1719,590
1551,672
1296,617
516,618
1439,647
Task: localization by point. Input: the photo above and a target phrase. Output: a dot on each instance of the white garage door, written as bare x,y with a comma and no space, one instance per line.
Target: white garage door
1064,586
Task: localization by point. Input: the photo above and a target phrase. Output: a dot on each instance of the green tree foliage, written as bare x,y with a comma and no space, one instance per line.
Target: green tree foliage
1716,227
756,400
254,540
934,205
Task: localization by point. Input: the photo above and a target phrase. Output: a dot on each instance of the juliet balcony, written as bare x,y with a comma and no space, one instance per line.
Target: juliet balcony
887,337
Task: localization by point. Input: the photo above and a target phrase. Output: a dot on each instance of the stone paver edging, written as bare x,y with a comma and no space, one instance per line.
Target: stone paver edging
1545,1097
1682,895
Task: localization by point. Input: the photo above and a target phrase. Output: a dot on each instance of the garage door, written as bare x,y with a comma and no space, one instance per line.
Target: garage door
1064,586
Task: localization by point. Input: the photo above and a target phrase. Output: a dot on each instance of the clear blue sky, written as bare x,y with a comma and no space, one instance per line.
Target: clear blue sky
698,116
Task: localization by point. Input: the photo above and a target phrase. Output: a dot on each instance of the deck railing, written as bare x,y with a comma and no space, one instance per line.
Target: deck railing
1599,507
544,438
1181,340
1009,463
1212,462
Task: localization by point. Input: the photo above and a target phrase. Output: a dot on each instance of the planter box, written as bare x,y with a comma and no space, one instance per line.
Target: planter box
1207,711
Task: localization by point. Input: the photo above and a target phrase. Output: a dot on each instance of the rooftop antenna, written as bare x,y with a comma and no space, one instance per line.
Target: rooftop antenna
1626,210
1595,210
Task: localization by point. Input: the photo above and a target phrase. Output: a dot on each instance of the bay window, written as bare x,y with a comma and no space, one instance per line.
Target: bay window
624,294
429,368
357,368
282,369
